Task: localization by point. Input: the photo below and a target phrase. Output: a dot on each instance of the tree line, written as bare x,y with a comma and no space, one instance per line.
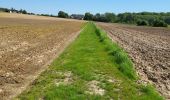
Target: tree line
141,19
12,10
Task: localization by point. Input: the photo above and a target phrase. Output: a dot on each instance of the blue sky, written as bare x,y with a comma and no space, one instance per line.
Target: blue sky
93,6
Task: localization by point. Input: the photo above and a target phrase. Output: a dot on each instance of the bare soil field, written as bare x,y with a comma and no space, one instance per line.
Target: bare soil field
149,48
35,17
27,45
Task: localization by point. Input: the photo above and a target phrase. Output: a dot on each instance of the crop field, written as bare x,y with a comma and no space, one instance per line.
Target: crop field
149,49
28,44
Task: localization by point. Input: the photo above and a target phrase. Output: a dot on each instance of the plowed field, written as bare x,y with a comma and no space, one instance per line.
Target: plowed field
149,49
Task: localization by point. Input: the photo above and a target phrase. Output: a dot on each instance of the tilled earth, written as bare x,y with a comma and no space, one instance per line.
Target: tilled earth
149,49
27,46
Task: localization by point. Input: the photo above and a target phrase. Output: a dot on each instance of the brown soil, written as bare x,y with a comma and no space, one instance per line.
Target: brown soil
27,46
149,49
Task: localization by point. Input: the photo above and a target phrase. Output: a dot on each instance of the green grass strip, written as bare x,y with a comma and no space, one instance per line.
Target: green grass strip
91,57
122,60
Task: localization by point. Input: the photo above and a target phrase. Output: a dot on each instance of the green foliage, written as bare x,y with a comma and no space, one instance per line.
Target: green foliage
149,90
107,17
124,63
100,18
62,14
141,19
159,23
120,57
98,33
145,18
88,16
166,19
127,18
22,11
111,17
4,9
142,23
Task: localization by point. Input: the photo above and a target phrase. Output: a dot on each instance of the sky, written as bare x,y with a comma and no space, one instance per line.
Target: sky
82,6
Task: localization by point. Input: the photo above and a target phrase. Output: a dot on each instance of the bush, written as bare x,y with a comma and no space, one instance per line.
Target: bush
142,23
159,23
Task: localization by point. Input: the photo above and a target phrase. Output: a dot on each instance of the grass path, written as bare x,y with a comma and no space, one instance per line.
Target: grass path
91,68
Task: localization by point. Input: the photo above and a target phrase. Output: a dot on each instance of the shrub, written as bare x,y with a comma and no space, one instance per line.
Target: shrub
142,22
159,23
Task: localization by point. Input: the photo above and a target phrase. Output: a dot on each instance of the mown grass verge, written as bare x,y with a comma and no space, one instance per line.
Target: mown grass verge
91,58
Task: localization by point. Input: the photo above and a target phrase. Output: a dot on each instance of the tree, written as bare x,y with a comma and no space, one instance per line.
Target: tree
88,16
22,11
96,17
159,23
4,10
127,18
62,14
110,17
167,19
100,18
12,9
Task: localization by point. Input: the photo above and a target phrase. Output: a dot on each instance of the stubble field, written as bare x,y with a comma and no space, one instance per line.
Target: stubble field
27,45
